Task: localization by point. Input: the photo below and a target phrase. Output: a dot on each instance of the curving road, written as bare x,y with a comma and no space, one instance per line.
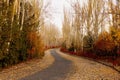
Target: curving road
66,67
57,71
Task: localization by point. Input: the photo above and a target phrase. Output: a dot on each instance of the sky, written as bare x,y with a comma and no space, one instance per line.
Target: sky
56,8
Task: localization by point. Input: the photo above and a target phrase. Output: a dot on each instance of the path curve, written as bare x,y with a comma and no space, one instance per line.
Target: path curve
67,67
57,71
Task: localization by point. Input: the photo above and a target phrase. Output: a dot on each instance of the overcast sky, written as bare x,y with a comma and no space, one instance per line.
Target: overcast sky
56,7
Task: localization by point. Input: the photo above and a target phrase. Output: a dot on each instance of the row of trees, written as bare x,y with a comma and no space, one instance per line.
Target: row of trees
51,35
19,30
93,25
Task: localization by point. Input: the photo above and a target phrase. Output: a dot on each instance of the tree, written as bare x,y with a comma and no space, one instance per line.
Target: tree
18,19
114,11
51,35
67,30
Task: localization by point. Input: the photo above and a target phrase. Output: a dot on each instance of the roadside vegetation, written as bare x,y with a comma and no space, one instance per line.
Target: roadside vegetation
24,35
19,34
93,30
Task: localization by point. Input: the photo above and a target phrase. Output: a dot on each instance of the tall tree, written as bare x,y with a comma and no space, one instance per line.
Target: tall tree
18,19
66,30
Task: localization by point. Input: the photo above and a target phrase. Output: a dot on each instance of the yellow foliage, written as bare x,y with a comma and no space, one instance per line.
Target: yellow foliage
105,42
115,33
37,45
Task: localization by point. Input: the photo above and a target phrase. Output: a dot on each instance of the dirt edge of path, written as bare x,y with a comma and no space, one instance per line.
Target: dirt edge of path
27,68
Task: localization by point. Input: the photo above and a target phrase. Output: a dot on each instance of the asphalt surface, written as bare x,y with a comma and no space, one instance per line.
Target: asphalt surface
57,71
67,67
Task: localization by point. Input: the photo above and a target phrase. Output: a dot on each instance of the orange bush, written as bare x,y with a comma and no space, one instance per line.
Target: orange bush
37,47
105,45
105,42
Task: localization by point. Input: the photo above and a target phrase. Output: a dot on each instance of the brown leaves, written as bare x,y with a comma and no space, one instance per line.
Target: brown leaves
37,46
108,41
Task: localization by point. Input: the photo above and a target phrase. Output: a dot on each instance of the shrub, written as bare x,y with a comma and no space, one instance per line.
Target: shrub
36,48
17,20
105,45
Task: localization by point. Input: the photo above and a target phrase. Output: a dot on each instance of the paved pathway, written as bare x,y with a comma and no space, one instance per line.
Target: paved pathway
67,67
57,71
